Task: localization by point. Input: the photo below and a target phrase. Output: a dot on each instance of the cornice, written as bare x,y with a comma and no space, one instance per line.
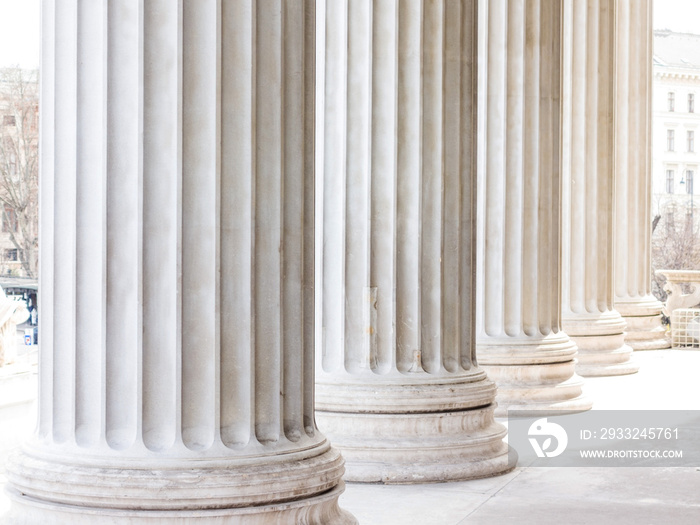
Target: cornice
686,76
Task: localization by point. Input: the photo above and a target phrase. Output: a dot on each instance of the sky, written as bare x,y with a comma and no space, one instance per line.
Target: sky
19,33
677,15
19,27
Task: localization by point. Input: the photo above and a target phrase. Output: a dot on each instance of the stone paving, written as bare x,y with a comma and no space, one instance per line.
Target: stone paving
667,380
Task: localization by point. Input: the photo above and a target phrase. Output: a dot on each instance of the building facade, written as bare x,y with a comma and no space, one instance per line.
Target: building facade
676,158
19,156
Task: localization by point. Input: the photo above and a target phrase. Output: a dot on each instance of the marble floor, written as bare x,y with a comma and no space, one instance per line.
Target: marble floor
667,379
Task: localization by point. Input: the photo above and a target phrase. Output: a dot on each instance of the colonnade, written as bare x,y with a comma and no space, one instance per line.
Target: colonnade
480,200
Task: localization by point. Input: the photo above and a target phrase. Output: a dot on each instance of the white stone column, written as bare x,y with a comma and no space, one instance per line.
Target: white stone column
176,366
519,336
633,297
398,387
588,314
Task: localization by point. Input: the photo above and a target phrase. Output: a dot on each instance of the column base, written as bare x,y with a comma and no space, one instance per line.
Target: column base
604,356
318,510
600,339
249,489
418,447
645,331
591,366
539,389
534,374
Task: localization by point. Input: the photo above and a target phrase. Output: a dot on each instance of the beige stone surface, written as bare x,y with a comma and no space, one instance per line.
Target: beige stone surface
176,364
588,313
633,56
519,337
398,387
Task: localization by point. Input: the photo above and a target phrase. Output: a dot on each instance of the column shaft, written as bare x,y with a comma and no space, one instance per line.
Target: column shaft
178,246
519,337
398,388
588,314
633,298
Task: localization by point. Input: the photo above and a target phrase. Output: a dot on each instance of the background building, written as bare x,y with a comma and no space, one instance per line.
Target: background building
19,168
675,154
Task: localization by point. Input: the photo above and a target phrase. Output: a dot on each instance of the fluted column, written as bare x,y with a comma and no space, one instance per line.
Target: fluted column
633,297
176,366
519,336
588,314
398,387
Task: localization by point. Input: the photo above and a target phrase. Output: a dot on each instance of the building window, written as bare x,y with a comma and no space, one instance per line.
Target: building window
669,181
670,219
691,103
670,140
9,220
691,141
689,181
11,255
671,101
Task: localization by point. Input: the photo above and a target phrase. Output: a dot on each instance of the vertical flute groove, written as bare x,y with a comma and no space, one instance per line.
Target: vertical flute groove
633,154
90,218
199,223
535,197
431,210
358,329
308,29
580,182
337,65
495,123
408,193
382,182
606,222
468,171
293,168
549,157
452,113
237,243
64,364
47,228
123,223
268,220
622,101
594,249
161,228
515,138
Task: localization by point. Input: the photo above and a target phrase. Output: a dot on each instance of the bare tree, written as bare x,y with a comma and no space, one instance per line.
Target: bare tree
19,164
675,241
